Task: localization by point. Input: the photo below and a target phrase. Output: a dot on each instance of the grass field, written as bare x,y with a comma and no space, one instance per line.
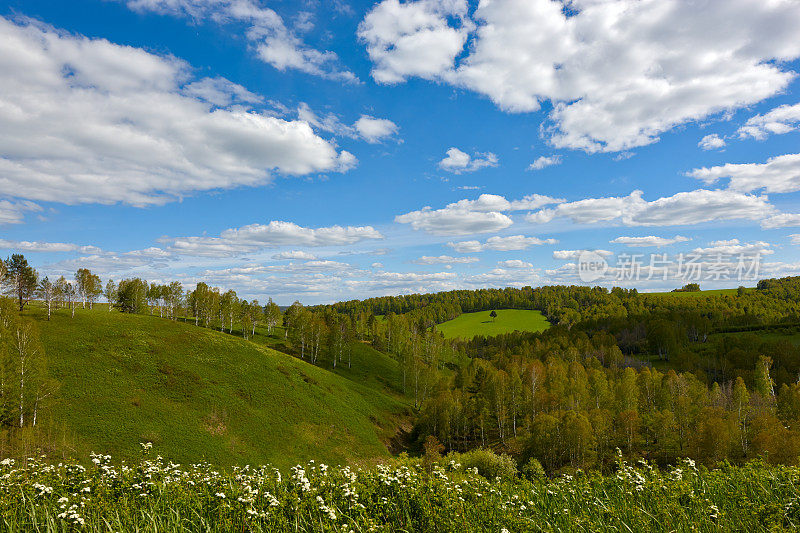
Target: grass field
201,394
698,294
469,325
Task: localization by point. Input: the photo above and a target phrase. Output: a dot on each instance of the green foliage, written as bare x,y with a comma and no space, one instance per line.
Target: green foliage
151,496
132,296
488,464
469,325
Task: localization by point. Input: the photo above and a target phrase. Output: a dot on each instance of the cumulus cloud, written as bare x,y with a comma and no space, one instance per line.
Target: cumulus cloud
733,247
86,120
371,129
781,220
650,240
255,237
444,260
794,238
39,246
683,208
457,161
779,174
500,244
271,41
374,130
482,215
454,220
711,142
778,121
414,38
545,161
673,61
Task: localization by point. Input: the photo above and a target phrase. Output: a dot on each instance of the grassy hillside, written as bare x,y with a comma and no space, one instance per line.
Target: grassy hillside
697,294
469,325
200,394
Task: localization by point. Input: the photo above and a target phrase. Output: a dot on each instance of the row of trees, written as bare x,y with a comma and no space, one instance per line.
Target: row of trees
24,384
21,281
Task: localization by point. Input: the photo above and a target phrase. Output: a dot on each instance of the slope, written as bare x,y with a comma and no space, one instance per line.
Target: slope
200,394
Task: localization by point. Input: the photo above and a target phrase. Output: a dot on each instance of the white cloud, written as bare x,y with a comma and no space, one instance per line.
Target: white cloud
730,247
514,263
255,237
457,161
374,130
221,92
371,129
103,262
778,121
444,260
618,73
795,238
271,40
38,246
482,215
574,254
650,240
294,254
505,277
14,212
781,220
500,244
683,208
413,38
779,174
86,120
711,142
454,220
545,161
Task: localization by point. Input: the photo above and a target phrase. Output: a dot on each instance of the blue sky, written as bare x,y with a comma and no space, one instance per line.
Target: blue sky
323,151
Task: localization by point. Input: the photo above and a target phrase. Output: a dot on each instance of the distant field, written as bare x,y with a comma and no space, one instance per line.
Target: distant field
469,325
699,294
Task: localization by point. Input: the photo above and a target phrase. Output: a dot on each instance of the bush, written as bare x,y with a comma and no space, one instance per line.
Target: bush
533,469
489,464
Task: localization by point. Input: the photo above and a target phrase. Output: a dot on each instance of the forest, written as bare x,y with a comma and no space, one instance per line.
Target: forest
652,376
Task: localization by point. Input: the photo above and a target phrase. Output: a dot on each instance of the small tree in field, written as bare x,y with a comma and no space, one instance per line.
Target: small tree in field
21,279
493,314
47,291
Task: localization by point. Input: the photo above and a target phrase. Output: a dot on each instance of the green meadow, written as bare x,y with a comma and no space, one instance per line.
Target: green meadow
199,394
469,325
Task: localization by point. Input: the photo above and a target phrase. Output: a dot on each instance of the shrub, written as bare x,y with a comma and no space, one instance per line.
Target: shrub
489,464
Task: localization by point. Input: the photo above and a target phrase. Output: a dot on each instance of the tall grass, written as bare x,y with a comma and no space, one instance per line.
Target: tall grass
155,495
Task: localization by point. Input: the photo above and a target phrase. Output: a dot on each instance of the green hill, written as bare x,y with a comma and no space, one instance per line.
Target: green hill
201,394
469,325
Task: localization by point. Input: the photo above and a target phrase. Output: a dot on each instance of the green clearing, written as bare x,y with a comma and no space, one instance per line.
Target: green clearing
470,325
697,294
199,394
